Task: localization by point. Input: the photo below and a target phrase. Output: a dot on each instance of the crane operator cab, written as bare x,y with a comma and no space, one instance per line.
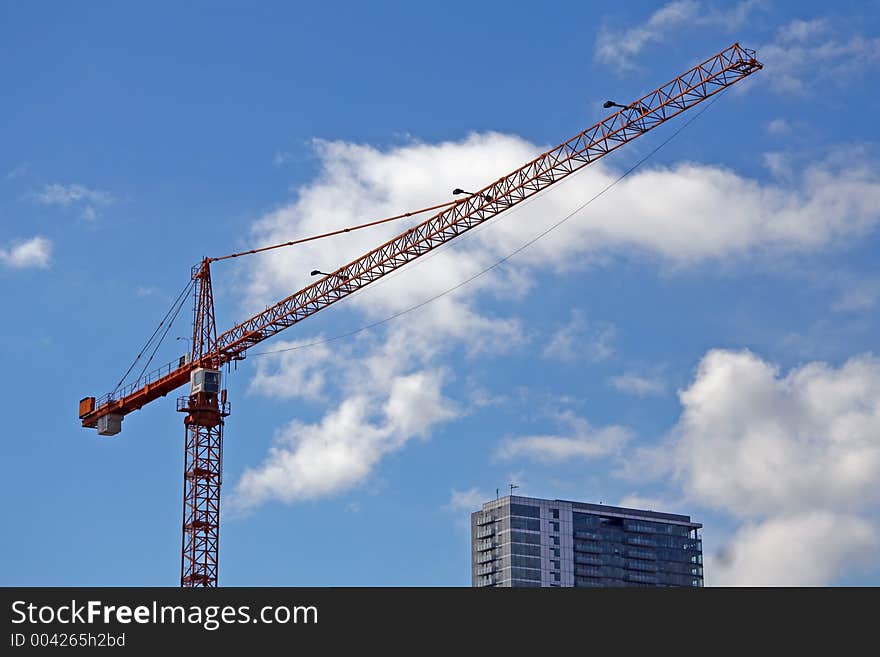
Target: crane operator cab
204,380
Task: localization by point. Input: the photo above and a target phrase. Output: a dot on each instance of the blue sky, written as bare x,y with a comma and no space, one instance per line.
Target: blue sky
699,340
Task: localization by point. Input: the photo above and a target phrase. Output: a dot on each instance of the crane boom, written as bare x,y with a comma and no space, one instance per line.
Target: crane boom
651,110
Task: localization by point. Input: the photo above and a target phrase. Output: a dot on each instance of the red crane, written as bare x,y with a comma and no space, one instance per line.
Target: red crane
206,406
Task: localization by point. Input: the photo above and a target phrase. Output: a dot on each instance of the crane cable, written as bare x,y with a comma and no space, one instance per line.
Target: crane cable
340,231
507,257
177,301
165,333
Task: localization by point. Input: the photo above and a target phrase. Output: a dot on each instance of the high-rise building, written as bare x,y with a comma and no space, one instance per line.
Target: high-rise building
525,541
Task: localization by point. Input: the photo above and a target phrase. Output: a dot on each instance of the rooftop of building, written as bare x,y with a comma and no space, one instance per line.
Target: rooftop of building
600,509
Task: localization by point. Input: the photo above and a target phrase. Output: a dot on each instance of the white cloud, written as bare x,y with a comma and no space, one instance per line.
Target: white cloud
339,452
357,183
34,252
298,372
812,548
685,214
637,384
707,213
466,500
800,30
75,195
481,397
580,339
310,460
66,195
808,53
779,164
579,440
619,48
755,442
793,457
745,216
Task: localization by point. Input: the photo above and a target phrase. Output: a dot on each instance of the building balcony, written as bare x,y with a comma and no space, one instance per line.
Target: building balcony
485,518
640,578
581,546
483,532
486,545
641,554
637,564
483,557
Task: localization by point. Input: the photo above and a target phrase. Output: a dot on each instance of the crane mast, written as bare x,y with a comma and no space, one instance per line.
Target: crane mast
205,408
206,405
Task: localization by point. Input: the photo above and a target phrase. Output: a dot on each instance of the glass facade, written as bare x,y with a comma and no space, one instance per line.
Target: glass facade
520,541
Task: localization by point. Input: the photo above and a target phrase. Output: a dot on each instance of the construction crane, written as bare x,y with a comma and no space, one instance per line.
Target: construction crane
206,406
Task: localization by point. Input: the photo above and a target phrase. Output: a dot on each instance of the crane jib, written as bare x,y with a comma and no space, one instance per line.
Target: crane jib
629,122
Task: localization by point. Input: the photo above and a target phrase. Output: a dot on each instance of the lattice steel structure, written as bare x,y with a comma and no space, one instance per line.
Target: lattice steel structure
205,414
204,327
203,451
202,476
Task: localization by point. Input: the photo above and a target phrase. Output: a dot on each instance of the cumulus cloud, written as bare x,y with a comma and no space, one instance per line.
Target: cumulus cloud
755,442
74,195
619,47
792,457
807,53
683,214
358,182
805,549
578,440
338,452
680,215
35,252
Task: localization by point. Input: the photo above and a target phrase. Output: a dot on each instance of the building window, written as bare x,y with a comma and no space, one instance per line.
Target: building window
528,550
554,565
555,552
526,562
554,526
555,513
525,510
525,523
526,574
523,537
555,577
555,540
